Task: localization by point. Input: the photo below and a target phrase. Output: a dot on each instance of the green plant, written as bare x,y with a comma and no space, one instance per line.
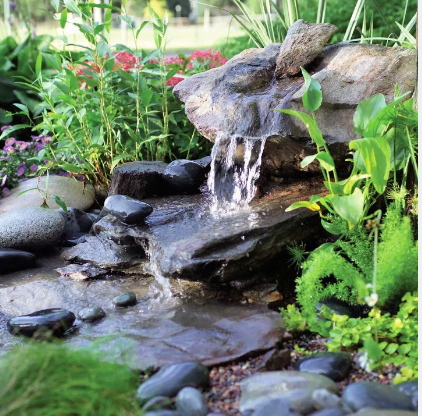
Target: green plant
49,379
398,335
112,104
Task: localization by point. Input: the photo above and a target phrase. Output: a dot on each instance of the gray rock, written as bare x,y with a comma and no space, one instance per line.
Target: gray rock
91,314
81,271
12,260
125,299
304,41
214,248
30,227
410,388
205,162
329,412
158,403
275,360
126,209
374,412
335,365
161,413
138,179
57,320
273,407
365,394
72,192
191,402
292,386
184,176
324,399
239,99
173,378
78,223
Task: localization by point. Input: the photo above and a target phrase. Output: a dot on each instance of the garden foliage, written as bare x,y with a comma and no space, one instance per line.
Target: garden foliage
114,104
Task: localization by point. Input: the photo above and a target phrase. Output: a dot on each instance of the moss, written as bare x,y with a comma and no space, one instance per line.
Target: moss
48,379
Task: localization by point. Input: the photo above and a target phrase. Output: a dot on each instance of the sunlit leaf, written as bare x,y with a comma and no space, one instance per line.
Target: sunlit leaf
312,98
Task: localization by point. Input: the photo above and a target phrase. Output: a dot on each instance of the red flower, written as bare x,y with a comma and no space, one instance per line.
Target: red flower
173,81
125,61
209,57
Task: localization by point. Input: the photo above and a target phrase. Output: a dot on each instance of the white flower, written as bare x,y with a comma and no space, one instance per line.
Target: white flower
372,299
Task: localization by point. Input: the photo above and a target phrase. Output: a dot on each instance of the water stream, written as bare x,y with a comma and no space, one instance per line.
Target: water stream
235,168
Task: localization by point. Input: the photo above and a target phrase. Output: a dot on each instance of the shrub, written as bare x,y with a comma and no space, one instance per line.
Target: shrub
51,379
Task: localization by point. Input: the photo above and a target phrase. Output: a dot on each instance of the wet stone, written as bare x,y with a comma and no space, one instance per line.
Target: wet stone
12,260
335,365
184,176
91,314
410,388
125,299
329,412
173,378
191,402
274,407
126,209
323,399
57,320
77,224
294,387
366,394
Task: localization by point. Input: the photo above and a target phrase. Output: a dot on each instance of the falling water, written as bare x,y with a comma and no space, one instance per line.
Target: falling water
235,167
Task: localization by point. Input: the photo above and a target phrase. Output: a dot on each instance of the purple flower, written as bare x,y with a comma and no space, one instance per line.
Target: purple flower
5,128
38,147
9,149
25,179
66,174
3,181
21,169
22,145
33,168
10,141
5,192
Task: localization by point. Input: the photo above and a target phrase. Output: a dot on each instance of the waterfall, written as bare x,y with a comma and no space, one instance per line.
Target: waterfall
235,167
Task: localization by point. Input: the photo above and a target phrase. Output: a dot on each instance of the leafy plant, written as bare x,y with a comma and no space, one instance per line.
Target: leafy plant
113,104
398,335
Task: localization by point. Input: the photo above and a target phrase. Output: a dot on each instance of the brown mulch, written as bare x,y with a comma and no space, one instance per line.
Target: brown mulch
224,394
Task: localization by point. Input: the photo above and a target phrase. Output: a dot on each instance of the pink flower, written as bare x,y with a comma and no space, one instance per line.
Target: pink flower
209,57
173,81
125,61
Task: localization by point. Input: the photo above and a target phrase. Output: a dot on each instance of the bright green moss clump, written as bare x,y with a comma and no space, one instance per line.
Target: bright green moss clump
53,380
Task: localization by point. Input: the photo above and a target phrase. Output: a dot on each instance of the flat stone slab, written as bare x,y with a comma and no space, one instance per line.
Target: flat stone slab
184,240
150,334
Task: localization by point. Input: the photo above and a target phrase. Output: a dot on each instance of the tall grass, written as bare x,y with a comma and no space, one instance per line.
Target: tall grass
54,380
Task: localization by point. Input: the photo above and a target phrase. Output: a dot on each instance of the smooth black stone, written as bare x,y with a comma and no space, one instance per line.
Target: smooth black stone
410,388
336,306
205,162
77,223
56,320
172,378
329,412
335,365
126,209
367,394
12,260
274,407
191,402
91,314
184,176
158,403
125,299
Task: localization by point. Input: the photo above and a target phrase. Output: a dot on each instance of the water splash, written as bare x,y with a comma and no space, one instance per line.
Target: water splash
235,168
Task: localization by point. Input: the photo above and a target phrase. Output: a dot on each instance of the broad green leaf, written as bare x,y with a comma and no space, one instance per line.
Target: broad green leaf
367,111
12,129
53,61
38,65
304,204
312,98
404,349
143,24
325,160
107,19
377,125
331,228
346,186
375,153
63,18
73,7
391,348
310,124
23,108
372,349
349,207
60,203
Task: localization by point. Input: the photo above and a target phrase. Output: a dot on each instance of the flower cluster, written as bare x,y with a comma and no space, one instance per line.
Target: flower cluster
198,61
17,161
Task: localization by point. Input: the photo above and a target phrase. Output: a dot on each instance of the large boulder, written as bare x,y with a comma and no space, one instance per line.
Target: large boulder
31,228
74,194
239,98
